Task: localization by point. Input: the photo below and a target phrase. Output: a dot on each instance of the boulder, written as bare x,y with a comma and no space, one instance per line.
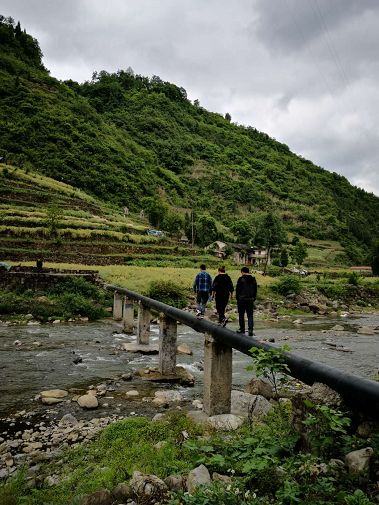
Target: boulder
88,402
147,486
52,396
259,387
122,492
100,497
358,462
176,483
225,422
199,476
321,394
245,404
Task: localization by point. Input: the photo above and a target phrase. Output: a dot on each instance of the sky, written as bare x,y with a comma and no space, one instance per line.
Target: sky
304,71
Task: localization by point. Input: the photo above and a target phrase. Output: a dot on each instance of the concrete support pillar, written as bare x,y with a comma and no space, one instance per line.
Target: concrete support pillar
217,377
117,306
143,326
128,316
168,330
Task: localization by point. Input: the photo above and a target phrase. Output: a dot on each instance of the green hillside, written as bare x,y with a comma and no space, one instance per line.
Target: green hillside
124,137
43,218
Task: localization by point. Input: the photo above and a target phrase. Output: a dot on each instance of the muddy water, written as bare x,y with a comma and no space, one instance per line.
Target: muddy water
28,369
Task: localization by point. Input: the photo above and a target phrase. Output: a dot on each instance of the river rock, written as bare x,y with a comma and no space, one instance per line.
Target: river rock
132,393
298,321
337,327
51,401
68,420
88,401
245,404
100,497
199,476
359,461
184,349
366,330
225,422
54,393
169,396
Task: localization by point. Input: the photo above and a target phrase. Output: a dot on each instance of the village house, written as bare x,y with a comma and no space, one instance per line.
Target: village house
242,254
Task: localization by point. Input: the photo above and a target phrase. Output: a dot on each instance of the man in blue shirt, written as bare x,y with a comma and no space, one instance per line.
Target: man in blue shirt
202,286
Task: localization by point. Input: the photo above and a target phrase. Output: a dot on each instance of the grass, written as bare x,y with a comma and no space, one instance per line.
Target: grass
138,278
250,455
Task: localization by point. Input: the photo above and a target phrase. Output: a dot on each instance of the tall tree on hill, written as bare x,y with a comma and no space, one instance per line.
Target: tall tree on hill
270,234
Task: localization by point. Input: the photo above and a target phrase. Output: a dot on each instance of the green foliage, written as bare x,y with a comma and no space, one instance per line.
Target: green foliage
168,292
270,364
299,252
354,279
284,257
263,461
52,221
72,297
323,424
287,284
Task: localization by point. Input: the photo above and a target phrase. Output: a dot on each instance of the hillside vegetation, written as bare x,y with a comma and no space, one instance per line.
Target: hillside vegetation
43,218
124,137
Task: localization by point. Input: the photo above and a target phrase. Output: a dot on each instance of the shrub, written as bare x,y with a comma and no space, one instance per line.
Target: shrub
168,292
274,270
287,284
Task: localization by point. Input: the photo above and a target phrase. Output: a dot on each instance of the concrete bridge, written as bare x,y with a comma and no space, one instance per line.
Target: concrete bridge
359,394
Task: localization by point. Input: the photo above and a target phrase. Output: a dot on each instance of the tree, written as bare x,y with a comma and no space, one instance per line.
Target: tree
156,210
205,230
243,231
228,117
299,252
375,258
284,257
173,223
270,234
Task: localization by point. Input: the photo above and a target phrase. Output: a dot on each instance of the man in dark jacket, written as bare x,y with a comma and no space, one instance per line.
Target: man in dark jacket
246,293
222,288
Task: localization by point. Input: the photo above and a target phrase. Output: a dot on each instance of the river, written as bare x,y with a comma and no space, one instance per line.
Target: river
29,368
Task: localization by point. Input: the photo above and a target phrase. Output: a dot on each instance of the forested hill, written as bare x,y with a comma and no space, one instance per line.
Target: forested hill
123,137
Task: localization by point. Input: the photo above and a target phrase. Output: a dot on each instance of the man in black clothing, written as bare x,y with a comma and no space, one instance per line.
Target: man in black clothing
222,287
246,293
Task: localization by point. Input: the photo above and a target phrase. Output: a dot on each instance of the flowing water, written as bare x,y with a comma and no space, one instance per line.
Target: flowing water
29,368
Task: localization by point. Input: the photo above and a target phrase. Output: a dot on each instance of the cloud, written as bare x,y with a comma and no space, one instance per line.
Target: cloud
305,72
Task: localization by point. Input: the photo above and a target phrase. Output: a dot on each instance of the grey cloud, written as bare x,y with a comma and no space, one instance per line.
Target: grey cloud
303,71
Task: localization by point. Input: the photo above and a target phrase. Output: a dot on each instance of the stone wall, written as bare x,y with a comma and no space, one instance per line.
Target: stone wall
43,278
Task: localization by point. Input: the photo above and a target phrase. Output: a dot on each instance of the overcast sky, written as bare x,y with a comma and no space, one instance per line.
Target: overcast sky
304,71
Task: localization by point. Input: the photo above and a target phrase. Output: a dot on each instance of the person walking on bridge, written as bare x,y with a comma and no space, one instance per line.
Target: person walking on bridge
202,286
246,293
222,288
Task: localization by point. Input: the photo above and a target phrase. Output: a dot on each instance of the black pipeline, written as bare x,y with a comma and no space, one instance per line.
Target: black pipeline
359,393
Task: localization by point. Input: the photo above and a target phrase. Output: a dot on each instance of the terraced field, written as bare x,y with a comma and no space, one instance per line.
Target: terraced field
42,217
